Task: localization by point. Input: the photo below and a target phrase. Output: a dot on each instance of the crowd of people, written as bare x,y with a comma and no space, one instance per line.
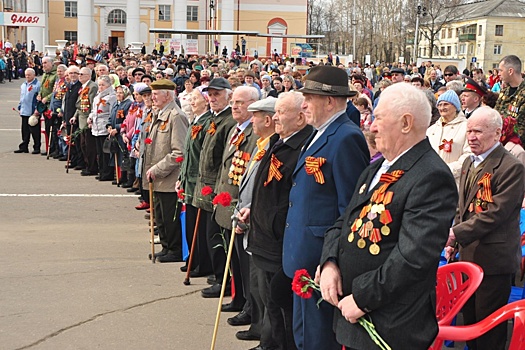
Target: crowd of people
363,189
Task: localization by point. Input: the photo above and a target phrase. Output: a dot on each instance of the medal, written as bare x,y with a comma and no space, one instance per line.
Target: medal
375,237
380,208
385,230
369,225
358,223
374,249
371,216
374,209
362,189
351,237
361,243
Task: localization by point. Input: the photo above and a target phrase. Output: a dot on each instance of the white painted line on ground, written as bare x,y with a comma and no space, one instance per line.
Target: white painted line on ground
66,195
9,129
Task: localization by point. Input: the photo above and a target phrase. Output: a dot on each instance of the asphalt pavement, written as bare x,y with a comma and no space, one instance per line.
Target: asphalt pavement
74,268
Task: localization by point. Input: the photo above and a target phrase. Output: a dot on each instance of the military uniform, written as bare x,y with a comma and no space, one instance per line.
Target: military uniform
46,91
513,106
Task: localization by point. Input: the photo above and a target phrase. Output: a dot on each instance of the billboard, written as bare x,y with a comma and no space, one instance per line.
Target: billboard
302,50
21,19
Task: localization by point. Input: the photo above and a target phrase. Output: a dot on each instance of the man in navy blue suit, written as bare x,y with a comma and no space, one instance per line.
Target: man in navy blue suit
323,181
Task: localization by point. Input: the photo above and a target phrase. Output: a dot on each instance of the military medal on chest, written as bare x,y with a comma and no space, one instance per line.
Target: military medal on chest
239,162
364,226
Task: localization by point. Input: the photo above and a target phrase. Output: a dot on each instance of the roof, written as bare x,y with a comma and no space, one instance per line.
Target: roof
491,8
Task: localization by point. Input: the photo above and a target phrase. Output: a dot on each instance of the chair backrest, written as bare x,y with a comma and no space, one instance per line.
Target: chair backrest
514,310
456,283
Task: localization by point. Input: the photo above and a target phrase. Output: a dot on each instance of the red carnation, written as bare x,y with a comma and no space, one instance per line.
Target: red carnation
129,147
181,193
137,131
99,111
179,159
301,284
148,141
206,190
223,198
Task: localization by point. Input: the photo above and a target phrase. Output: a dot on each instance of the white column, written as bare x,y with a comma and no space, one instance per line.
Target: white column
132,21
35,33
227,7
85,19
180,8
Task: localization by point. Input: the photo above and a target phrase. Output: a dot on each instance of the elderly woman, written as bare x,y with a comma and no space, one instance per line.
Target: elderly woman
288,83
98,120
184,98
448,136
266,82
116,118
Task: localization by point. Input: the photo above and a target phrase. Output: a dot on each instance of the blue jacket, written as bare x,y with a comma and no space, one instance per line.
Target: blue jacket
28,93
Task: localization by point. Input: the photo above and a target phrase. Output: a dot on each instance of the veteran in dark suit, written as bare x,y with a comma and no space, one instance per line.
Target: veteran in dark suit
322,183
167,133
487,222
380,258
70,99
215,140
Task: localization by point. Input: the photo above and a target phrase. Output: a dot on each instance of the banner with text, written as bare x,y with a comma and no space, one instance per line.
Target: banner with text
21,19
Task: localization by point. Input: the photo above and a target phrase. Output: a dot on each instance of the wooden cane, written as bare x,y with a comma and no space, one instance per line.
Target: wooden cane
152,222
193,242
116,169
224,279
49,140
69,148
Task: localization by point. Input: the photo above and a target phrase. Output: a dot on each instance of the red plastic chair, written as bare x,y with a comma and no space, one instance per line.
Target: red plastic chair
514,310
456,283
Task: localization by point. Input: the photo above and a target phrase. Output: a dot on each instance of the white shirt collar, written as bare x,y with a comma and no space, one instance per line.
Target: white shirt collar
477,160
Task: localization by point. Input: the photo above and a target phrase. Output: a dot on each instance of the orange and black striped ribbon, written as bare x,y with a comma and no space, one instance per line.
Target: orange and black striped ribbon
195,129
273,171
313,167
238,141
258,156
484,182
212,129
387,179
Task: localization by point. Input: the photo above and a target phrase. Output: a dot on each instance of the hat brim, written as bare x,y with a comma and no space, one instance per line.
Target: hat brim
326,93
214,88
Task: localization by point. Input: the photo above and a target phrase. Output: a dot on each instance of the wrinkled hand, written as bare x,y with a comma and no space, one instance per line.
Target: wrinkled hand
244,218
44,100
73,120
39,98
150,175
177,186
449,252
349,309
317,277
451,238
113,132
331,283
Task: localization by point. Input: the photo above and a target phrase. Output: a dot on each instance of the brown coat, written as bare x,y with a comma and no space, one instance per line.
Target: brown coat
491,238
167,132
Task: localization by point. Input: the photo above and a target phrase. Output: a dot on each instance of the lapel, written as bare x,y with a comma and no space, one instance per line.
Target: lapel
491,162
247,134
165,115
321,141
251,172
404,163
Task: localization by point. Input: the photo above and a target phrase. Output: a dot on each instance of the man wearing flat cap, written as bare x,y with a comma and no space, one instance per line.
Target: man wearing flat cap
397,75
167,134
213,146
471,97
322,183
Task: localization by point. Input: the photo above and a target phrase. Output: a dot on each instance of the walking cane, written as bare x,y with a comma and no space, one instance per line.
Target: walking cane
69,148
49,140
235,219
193,241
116,169
152,222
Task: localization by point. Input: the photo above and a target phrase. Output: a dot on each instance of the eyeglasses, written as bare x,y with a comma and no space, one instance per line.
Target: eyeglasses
74,73
236,103
448,74
82,74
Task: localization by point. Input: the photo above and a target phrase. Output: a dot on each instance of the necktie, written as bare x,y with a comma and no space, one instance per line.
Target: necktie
235,135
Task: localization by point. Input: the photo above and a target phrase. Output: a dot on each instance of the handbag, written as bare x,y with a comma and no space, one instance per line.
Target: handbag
110,145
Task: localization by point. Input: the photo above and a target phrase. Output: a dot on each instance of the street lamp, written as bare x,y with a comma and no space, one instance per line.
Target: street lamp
421,10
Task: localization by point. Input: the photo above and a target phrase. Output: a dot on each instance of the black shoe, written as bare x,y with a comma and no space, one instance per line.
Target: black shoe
158,254
241,319
215,291
211,280
21,151
138,193
170,257
231,307
43,153
127,185
62,159
130,190
184,268
86,172
53,154
105,179
79,167
36,151
260,347
247,335
57,156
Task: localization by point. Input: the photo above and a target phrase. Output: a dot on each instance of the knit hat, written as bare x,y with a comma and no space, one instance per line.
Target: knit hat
269,78
138,87
451,97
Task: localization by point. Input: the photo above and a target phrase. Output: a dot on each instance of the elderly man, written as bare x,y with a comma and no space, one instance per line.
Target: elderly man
102,70
322,183
55,105
28,97
87,147
213,147
69,110
380,258
167,133
46,92
264,127
471,97
268,217
511,100
487,222
398,75
241,141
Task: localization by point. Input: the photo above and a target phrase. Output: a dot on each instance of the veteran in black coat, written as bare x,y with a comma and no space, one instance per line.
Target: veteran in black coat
380,258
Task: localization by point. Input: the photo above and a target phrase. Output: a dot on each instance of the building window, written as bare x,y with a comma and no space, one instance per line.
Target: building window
192,37
480,30
164,12
443,33
70,9
449,50
117,17
70,36
497,49
499,30
192,13
462,49
164,36
449,35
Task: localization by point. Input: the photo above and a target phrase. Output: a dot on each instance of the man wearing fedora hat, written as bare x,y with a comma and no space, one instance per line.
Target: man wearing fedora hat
471,96
322,183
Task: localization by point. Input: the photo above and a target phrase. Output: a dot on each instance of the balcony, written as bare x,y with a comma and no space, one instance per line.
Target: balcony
467,37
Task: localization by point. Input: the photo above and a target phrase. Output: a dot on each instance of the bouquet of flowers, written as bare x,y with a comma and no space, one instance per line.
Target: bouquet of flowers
303,285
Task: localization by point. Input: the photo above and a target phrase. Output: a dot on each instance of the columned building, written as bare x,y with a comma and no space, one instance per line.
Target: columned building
121,22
